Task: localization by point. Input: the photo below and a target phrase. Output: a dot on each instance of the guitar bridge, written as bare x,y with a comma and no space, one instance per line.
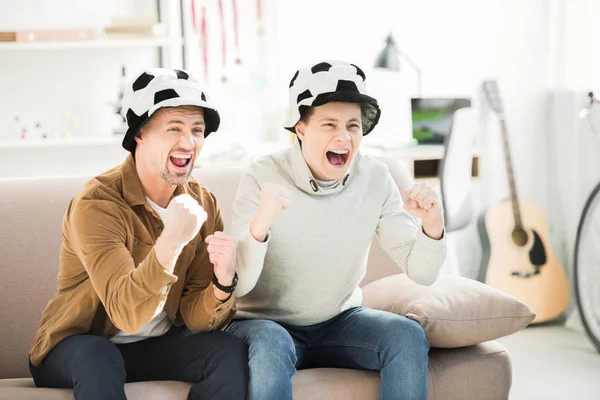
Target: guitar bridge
526,274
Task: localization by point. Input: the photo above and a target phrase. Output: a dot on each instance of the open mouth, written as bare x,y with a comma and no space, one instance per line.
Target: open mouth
181,161
338,158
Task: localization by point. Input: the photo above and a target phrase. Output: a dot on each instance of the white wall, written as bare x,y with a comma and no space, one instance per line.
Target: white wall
577,57
572,147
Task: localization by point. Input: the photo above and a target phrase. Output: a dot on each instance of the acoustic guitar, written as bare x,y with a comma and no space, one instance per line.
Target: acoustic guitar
517,258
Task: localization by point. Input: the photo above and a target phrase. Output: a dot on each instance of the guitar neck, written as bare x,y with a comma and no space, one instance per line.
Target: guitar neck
510,174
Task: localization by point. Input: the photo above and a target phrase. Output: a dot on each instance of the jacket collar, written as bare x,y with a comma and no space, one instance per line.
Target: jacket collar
133,191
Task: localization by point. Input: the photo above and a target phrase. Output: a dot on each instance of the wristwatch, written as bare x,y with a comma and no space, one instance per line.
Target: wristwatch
226,289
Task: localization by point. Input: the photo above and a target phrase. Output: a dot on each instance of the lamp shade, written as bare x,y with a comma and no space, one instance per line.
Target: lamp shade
388,58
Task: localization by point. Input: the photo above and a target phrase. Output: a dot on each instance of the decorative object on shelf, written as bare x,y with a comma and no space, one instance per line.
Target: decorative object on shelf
39,127
225,20
120,123
18,126
236,33
204,34
258,78
69,124
39,131
389,58
28,131
47,36
259,16
201,30
223,42
592,113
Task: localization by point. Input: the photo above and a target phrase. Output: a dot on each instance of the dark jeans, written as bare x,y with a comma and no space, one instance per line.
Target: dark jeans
215,362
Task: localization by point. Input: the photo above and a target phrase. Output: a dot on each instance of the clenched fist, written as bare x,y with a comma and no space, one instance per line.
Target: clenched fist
183,219
222,253
422,201
273,199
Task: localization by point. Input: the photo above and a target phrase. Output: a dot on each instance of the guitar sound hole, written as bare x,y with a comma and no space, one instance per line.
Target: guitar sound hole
519,236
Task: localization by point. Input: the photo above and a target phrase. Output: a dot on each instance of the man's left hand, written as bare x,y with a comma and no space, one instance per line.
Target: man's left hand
222,253
422,201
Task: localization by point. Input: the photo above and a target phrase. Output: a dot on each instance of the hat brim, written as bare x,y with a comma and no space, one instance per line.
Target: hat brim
336,97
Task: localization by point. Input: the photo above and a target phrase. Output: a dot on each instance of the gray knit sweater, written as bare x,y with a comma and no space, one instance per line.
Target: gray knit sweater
310,267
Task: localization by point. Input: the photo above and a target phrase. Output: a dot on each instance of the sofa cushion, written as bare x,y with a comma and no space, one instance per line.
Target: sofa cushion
469,373
24,389
483,371
31,213
454,311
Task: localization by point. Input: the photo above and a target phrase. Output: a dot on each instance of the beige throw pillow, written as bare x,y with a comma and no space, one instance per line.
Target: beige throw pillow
454,311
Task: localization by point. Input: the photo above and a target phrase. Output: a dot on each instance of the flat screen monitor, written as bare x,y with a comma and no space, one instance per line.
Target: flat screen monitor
432,117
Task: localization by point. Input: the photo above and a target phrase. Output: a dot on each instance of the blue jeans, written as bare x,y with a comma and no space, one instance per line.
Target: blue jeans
359,338
97,369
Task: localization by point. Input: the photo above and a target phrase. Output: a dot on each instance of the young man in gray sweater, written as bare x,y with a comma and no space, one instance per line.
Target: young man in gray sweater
304,220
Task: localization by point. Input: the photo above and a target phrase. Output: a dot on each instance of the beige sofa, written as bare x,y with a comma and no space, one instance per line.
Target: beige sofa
31,211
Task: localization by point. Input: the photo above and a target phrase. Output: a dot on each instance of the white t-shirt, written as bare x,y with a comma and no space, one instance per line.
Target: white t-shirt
160,324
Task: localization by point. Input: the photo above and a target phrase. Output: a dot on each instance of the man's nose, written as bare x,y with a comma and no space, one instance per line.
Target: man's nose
186,140
343,135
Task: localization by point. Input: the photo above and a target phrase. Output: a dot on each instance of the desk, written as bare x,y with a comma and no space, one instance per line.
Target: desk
422,161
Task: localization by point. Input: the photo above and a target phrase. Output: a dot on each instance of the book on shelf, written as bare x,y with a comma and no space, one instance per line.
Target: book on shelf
47,35
156,30
136,26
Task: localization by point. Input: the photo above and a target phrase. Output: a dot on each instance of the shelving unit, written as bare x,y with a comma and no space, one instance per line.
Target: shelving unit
69,123
61,143
169,48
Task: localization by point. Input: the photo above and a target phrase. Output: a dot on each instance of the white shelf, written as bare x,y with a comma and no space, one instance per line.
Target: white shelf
92,44
54,143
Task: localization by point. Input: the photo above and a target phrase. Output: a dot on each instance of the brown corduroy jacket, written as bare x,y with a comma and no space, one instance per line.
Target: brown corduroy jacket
109,277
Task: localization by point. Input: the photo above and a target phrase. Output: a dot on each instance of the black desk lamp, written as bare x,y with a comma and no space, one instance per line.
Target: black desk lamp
389,58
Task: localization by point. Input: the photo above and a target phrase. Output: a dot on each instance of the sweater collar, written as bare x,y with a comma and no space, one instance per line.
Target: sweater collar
304,179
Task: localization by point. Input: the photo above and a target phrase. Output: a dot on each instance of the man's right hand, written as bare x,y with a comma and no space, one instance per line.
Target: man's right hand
273,199
183,220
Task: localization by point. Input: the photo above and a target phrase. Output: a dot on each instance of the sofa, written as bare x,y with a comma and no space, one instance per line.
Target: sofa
31,211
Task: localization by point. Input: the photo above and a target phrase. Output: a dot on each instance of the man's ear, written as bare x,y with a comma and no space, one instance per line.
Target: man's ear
300,130
138,137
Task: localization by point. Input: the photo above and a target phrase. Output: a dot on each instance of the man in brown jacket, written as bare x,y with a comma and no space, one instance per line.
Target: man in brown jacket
147,277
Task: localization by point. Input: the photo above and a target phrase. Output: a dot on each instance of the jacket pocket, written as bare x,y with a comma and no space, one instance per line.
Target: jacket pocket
139,251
